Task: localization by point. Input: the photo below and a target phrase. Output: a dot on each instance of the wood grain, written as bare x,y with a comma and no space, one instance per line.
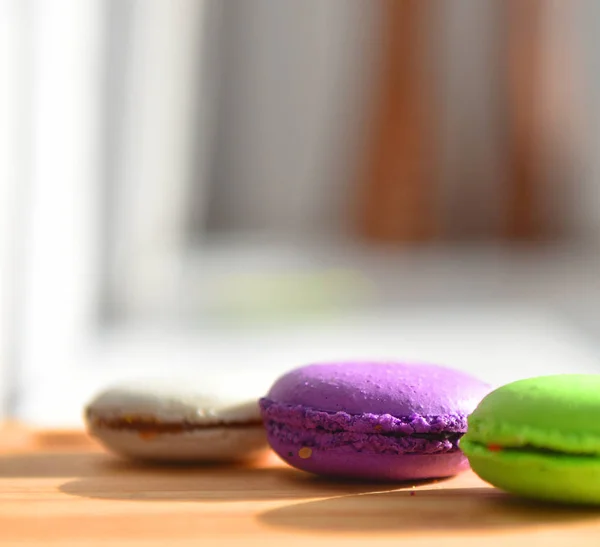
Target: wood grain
75,494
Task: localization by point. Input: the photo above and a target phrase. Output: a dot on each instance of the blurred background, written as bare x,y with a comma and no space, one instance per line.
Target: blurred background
230,189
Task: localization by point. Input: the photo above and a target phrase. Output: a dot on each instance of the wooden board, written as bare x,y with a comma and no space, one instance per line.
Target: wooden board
61,489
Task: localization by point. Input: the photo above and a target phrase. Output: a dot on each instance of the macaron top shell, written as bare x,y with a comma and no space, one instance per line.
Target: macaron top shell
557,412
172,403
394,388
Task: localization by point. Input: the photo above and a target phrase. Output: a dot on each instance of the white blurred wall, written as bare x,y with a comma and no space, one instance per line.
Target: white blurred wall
294,78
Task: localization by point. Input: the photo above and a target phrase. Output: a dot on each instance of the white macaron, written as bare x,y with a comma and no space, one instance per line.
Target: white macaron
174,423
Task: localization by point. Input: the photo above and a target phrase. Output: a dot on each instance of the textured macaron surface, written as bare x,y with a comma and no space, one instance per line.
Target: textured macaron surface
171,403
385,408
551,413
397,389
380,433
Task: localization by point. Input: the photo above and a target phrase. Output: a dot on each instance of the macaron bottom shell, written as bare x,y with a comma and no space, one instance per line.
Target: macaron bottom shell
215,444
537,474
345,462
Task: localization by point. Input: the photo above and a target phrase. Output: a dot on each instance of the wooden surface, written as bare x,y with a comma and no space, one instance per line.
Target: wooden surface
60,489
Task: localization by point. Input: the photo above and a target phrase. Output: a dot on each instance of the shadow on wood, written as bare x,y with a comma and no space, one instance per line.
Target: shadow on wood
431,510
216,485
67,464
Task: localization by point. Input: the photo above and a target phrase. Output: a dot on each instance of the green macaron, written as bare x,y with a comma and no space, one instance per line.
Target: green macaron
539,438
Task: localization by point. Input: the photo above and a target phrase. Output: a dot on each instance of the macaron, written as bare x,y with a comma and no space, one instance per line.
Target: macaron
158,422
540,438
387,421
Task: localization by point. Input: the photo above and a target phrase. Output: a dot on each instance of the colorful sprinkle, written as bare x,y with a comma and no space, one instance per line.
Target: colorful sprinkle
305,452
494,447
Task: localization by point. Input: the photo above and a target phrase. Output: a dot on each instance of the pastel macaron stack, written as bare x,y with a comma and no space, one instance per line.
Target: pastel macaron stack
372,420
540,438
176,422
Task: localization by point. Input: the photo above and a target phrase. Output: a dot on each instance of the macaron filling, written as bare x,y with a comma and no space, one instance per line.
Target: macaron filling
493,437
144,424
376,433
471,447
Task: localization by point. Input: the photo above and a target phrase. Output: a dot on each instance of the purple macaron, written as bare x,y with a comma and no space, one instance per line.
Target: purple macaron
368,420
